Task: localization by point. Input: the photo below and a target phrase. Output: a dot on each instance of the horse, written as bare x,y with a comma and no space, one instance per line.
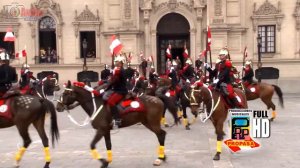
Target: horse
142,87
101,118
48,84
265,92
23,110
218,108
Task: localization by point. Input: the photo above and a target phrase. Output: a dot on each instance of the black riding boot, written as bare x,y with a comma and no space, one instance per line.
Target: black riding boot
116,116
236,103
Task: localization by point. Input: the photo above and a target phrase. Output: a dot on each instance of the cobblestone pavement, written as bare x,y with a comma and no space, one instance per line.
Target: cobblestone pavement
136,146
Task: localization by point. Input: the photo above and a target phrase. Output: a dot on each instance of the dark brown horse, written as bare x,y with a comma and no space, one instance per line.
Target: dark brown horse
101,118
217,107
265,92
26,110
48,85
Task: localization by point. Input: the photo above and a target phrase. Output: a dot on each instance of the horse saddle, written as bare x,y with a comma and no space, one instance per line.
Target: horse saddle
130,105
5,108
253,88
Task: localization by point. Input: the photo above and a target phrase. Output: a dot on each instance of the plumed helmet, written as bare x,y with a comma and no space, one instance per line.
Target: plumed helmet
223,52
218,61
25,66
174,63
120,58
4,56
248,62
188,62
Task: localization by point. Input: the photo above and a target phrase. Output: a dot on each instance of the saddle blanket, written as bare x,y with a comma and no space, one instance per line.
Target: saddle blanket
131,105
4,109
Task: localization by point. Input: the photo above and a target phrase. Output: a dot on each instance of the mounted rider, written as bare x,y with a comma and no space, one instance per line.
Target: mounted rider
105,73
188,73
116,91
223,82
248,73
8,75
26,76
153,77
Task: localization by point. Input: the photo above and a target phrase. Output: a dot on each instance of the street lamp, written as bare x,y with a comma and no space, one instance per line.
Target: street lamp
259,64
84,47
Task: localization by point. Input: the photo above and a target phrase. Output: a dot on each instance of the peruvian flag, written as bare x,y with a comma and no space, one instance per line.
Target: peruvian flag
115,46
9,36
141,54
186,52
208,38
150,58
168,51
23,53
203,53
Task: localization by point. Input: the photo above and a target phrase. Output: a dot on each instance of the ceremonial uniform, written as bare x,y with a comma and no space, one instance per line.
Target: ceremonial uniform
7,74
248,77
26,75
105,73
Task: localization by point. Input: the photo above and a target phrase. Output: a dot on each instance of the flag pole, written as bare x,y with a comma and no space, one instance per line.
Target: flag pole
244,58
112,60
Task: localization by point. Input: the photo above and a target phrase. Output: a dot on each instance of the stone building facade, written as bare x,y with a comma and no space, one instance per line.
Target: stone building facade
149,26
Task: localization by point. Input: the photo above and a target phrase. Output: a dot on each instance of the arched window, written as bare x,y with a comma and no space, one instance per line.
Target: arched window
47,40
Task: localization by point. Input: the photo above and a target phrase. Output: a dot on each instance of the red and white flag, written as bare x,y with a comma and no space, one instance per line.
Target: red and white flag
9,36
185,52
203,53
168,51
208,38
141,54
21,54
150,59
115,46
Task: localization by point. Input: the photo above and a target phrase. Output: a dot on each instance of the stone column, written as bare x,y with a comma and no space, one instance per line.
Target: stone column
147,51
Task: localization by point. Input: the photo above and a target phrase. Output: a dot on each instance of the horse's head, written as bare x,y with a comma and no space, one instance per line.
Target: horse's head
51,83
67,98
196,98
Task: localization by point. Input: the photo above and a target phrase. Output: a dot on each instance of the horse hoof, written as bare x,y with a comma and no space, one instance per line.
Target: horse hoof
187,127
47,165
217,156
159,161
272,119
166,125
104,163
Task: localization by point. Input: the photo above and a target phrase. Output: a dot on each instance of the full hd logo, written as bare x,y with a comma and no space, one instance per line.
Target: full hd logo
260,124
246,124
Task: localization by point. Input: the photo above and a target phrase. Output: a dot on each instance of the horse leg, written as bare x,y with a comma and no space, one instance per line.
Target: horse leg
108,147
39,126
94,152
163,119
270,104
185,119
220,134
23,131
161,136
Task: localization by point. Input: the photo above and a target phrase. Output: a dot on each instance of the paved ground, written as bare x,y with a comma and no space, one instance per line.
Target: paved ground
136,146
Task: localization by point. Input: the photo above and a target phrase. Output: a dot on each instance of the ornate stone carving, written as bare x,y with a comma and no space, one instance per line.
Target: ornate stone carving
86,15
53,9
127,9
172,6
297,14
269,12
6,17
267,9
218,7
86,18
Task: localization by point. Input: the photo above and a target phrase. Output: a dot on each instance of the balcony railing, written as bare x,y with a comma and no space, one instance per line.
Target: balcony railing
46,59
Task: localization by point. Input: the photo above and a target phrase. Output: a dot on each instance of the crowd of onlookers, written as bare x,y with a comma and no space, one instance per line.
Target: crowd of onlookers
48,56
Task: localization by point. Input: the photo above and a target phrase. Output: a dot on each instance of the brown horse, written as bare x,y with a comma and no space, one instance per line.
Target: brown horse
26,110
217,107
101,118
265,92
48,84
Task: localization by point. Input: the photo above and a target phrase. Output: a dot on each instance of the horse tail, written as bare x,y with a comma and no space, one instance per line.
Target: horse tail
279,93
54,127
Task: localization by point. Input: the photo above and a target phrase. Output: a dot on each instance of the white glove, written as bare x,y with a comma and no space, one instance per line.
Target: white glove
188,81
216,81
102,91
206,65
